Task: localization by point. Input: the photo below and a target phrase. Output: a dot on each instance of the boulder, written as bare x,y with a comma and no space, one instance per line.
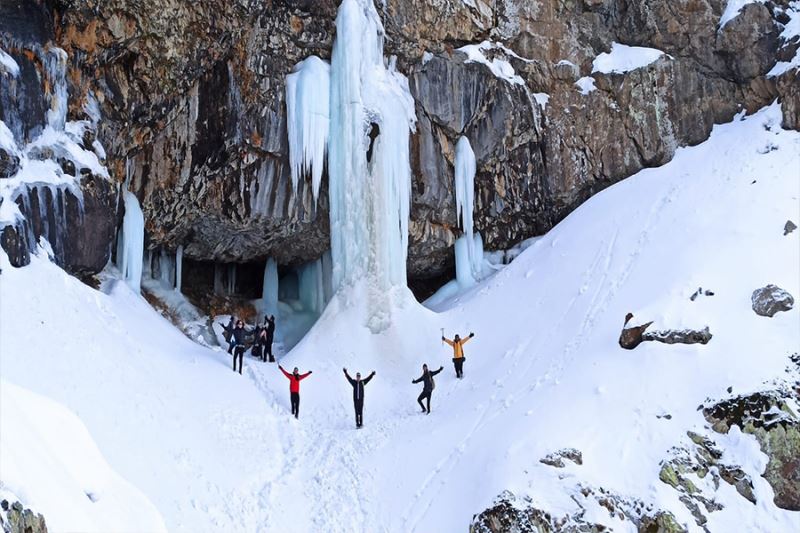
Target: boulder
771,299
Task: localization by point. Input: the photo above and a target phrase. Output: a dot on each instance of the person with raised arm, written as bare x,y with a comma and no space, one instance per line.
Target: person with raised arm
428,384
458,352
294,388
358,394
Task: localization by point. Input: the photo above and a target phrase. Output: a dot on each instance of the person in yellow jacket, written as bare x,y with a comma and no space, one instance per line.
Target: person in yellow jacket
458,352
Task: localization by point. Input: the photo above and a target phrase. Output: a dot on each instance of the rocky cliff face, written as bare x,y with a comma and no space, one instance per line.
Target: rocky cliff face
192,98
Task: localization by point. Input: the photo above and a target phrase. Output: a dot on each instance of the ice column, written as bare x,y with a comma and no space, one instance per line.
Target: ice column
56,69
131,246
308,117
371,110
469,247
270,290
179,268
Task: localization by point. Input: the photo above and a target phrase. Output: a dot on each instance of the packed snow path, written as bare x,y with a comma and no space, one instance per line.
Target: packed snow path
217,451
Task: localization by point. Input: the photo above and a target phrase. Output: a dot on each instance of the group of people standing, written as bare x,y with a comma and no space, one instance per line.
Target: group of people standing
238,336
358,383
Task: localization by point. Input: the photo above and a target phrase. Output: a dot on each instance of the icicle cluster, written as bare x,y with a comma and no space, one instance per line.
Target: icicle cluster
308,118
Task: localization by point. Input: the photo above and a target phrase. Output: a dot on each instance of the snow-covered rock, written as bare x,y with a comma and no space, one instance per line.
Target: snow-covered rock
771,299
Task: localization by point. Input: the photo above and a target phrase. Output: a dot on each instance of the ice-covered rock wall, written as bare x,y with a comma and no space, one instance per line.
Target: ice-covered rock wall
55,190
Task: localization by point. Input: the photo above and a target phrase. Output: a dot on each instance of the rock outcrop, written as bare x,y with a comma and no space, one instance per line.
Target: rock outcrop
192,101
632,336
768,417
15,518
771,299
512,514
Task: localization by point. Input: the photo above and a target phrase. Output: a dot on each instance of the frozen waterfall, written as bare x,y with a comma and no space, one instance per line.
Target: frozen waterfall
469,247
308,118
130,250
372,114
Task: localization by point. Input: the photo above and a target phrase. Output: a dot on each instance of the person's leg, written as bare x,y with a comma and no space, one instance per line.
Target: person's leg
429,403
419,400
234,361
241,358
460,367
297,406
359,404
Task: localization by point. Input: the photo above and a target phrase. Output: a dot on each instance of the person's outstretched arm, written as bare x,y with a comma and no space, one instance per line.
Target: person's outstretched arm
351,380
467,338
304,376
418,379
365,381
448,341
285,373
434,372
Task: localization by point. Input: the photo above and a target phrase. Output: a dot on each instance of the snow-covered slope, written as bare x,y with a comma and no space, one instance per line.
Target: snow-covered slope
217,451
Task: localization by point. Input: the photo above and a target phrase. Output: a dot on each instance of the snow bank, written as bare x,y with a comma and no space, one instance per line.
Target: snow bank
624,58
51,463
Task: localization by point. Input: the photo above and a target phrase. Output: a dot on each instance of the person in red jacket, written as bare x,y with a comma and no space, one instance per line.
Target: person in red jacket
294,387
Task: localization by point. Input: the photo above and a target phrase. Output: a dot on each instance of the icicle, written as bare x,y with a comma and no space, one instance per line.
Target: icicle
231,285
311,287
166,268
270,290
56,70
327,273
179,268
307,120
372,115
469,247
219,288
131,248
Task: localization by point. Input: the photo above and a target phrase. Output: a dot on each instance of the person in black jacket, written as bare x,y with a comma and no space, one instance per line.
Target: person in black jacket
227,331
358,394
238,335
427,386
270,327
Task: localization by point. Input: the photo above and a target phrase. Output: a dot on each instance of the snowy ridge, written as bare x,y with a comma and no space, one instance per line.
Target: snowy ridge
624,58
215,450
50,462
